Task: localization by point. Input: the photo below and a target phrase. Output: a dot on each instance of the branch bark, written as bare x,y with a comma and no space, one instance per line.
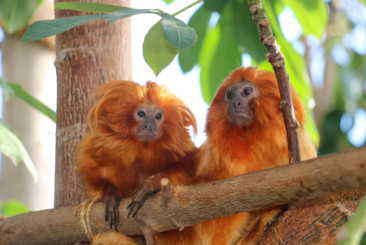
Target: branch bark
277,60
183,206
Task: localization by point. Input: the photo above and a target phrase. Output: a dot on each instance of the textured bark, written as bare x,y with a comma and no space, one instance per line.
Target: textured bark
182,206
86,57
277,60
314,221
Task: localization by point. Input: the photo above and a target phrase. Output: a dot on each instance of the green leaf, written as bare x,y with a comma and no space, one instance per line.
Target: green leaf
169,1
219,56
158,52
199,22
15,14
246,32
111,17
363,2
89,7
12,147
178,33
46,28
210,43
13,207
215,5
8,90
311,14
19,92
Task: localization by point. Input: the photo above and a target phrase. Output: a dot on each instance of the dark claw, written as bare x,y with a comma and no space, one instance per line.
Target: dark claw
111,210
129,205
106,210
137,209
138,201
132,206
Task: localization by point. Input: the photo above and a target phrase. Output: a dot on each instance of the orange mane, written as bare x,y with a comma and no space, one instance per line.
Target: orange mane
247,144
113,121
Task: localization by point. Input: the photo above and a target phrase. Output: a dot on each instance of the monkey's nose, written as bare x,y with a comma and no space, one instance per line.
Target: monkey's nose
149,128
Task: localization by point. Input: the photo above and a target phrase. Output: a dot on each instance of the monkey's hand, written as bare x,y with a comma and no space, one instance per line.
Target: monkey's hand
111,209
149,187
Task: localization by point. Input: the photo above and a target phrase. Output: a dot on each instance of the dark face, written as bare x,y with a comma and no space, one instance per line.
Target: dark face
150,118
237,97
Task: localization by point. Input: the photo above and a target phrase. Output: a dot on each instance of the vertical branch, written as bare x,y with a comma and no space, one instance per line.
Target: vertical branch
277,60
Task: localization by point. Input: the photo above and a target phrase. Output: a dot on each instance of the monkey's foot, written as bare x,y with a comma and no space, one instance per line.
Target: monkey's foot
111,210
149,187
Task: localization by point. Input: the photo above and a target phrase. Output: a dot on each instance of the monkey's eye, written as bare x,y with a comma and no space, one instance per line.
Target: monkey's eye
141,114
247,91
229,95
158,116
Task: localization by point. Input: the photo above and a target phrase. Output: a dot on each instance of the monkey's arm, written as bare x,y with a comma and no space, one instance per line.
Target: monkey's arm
97,179
181,173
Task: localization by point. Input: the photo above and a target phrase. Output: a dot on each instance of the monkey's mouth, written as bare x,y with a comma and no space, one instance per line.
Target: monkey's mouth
148,136
240,114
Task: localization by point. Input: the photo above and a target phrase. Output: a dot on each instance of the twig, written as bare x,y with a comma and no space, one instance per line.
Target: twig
188,205
277,60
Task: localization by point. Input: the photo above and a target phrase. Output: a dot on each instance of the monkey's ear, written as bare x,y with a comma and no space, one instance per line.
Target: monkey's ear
151,84
189,119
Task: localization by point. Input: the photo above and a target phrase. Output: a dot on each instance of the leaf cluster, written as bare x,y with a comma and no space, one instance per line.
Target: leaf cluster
163,42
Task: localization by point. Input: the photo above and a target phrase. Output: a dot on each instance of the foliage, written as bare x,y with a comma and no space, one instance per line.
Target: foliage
15,14
12,147
218,50
11,144
13,89
13,207
164,40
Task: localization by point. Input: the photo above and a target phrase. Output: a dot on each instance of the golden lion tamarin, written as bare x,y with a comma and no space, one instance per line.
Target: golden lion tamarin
135,132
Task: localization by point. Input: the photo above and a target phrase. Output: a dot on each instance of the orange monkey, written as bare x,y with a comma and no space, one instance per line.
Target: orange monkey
245,133
135,132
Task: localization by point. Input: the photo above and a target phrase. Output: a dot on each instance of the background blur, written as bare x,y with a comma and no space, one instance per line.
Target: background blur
324,43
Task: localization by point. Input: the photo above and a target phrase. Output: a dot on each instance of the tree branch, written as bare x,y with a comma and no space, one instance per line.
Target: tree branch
182,206
277,60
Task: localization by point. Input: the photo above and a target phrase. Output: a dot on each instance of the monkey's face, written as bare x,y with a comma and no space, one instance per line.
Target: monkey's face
149,118
238,97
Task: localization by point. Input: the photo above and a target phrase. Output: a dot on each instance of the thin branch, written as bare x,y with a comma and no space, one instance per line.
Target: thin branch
183,206
277,60
189,6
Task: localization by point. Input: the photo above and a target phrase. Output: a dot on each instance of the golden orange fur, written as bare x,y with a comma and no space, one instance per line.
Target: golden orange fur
232,150
111,155
112,161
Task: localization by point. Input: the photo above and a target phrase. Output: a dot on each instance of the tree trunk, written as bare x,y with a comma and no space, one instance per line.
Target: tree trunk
86,57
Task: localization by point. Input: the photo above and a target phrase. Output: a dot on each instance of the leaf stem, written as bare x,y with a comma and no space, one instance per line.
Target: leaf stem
189,6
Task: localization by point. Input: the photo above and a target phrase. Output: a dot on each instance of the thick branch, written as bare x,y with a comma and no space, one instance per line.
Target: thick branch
277,60
182,206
